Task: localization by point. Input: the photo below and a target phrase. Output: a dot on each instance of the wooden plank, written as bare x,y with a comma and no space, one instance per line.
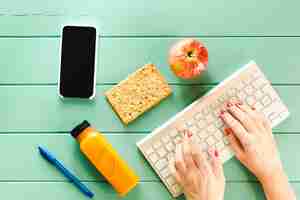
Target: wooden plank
37,60
153,17
23,152
38,108
149,190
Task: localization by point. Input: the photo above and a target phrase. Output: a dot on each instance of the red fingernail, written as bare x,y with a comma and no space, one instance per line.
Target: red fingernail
222,112
216,153
221,116
189,134
253,108
229,104
227,131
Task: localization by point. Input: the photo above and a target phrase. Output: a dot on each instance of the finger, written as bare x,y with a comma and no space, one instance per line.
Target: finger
244,117
174,172
236,128
264,122
187,154
179,162
217,167
234,143
199,159
254,114
187,133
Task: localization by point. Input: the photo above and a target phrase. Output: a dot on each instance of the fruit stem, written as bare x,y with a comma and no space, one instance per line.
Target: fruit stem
190,54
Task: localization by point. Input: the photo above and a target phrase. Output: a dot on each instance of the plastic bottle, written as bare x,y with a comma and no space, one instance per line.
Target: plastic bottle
105,158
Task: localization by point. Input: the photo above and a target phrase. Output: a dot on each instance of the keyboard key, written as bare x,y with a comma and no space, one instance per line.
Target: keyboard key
204,146
210,140
162,152
250,100
214,105
217,112
220,146
247,80
166,139
153,157
162,163
240,85
249,90
266,101
211,128
173,133
258,94
234,99
177,140
242,95
203,134
232,92
149,151
210,118
198,116
219,135
165,172
170,156
258,106
176,188
171,180
271,92
205,111
219,123
170,146
260,82
195,139
157,144
222,98
201,124
193,129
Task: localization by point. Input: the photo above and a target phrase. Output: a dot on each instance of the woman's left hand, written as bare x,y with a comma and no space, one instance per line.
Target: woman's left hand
199,177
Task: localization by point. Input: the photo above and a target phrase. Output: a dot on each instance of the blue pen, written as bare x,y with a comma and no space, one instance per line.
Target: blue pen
48,156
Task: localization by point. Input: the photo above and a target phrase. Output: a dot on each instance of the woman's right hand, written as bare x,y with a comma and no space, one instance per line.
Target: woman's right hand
250,136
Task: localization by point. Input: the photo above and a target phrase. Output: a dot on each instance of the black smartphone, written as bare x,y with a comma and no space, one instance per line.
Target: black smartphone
77,76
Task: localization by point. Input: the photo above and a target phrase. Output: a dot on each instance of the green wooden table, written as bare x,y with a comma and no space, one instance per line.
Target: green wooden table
132,33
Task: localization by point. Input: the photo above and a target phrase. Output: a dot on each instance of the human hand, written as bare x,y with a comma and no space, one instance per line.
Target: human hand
250,136
200,178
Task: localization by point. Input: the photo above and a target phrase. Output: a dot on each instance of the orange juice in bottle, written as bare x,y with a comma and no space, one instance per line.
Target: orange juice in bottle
105,158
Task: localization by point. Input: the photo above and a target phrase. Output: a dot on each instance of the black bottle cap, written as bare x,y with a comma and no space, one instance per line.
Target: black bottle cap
79,128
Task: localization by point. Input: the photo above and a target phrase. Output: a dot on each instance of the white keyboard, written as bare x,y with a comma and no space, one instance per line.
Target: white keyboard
248,85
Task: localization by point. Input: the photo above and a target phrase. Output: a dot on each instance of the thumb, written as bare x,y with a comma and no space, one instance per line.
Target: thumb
216,163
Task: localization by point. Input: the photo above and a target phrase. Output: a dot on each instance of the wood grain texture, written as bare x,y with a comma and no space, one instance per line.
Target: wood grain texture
149,190
134,18
132,33
37,60
23,148
38,108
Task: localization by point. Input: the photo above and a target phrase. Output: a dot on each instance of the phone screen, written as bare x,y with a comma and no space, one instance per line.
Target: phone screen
77,62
